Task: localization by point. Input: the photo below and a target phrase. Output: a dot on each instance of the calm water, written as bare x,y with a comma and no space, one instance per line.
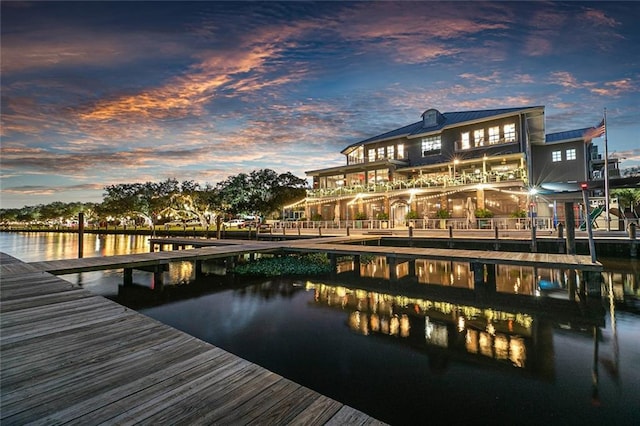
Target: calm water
427,353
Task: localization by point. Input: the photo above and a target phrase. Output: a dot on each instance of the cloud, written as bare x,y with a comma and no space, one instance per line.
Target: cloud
598,18
418,32
494,77
614,88
37,190
73,46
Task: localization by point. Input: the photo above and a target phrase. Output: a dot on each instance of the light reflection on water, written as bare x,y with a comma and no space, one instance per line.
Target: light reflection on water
393,355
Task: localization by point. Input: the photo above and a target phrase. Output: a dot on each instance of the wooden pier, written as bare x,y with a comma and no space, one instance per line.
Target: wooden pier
480,261
70,356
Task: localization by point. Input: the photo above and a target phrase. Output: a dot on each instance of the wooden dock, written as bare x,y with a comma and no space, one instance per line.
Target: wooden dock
544,260
70,356
206,249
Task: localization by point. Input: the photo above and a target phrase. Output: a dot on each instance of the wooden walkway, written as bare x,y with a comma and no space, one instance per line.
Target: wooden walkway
216,249
206,249
545,260
70,356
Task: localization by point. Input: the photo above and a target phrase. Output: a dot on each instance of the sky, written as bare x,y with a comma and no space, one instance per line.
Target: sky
103,93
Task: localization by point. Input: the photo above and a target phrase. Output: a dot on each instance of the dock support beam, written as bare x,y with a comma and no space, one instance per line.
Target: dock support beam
480,283
128,277
571,227
158,277
356,265
229,263
333,262
80,235
412,267
198,265
393,273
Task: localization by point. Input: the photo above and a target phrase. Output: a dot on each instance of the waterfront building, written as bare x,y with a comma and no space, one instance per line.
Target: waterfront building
464,165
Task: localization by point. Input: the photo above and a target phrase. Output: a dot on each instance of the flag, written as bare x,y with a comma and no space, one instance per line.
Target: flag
595,132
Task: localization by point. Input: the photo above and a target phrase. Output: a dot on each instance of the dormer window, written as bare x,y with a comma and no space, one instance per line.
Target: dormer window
431,118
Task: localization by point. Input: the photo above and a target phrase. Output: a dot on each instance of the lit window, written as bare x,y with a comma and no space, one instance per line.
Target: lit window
556,156
494,135
431,145
390,153
356,156
400,151
571,154
478,137
464,141
372,155
510,132
381,153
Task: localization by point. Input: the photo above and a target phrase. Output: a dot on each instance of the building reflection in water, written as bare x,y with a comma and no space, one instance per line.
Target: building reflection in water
422,323
510,279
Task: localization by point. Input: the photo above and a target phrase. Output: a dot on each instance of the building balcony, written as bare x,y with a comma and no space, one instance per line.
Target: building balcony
439,181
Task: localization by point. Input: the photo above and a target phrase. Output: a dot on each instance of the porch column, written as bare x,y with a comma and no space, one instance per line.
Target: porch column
480,198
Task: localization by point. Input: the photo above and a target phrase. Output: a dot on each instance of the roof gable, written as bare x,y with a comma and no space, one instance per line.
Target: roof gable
447,119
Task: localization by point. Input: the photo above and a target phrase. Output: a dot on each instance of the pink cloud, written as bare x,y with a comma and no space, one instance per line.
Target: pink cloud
598,17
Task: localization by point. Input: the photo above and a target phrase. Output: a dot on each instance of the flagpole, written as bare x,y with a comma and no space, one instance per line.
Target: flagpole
606,174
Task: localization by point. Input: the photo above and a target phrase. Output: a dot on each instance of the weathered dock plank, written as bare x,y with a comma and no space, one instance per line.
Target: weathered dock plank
70,356
481,256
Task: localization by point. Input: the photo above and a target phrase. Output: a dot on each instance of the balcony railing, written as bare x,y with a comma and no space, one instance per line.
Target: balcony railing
440,181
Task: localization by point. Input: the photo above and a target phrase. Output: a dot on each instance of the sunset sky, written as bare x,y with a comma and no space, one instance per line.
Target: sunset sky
95,94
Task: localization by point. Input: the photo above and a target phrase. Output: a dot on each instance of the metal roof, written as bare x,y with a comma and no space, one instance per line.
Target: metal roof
450,119
567,135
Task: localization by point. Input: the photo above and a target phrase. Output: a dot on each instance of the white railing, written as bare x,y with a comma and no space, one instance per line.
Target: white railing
501,223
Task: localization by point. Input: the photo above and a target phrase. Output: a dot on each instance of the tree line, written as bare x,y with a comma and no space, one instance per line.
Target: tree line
261,193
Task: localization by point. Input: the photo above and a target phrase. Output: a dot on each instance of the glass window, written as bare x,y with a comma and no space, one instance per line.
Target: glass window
431,145
510,132
390,152
356,156
400,151
371,177
335,181
478,137
355,179
494,135
464,141
372,155
381,153
556,156
382,176
571,154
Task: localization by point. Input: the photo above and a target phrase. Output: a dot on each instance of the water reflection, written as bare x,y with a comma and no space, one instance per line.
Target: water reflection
509,279
426,323
40,246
